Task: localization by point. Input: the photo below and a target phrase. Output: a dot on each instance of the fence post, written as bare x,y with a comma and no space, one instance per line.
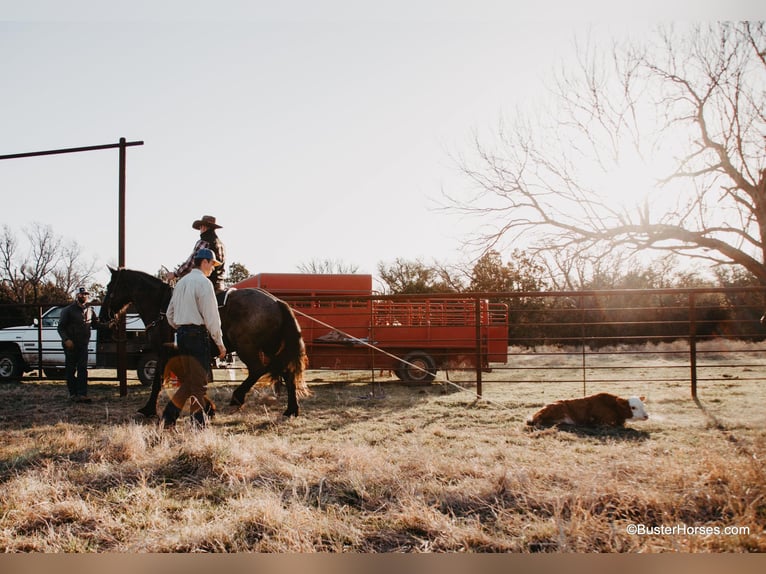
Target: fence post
693,343
122,376
39,343
582,341
479,354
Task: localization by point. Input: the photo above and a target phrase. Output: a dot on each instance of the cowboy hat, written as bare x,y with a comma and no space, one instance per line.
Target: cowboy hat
207,220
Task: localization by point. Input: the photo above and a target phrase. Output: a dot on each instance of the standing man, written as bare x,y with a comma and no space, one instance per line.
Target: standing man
74,329
193,312
210,240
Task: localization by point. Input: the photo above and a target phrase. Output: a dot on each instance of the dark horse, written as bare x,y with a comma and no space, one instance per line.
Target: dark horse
260,328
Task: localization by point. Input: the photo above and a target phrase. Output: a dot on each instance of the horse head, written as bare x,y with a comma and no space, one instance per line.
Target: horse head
148,294
113,304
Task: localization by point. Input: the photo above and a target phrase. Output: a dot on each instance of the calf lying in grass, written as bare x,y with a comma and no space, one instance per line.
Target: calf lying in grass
602,409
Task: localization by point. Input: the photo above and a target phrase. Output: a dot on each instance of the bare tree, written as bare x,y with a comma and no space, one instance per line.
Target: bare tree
687,104
72,270
327,266
49,265
413,276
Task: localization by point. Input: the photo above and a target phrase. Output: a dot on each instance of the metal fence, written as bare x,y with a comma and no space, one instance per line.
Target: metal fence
664,335
678,336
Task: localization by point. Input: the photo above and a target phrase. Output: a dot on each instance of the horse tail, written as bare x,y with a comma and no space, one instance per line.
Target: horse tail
292,354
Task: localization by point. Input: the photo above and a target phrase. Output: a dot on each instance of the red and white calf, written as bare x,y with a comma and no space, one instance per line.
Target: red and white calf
595,410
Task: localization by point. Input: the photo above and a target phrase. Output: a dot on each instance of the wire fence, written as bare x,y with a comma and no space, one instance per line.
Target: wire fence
592,339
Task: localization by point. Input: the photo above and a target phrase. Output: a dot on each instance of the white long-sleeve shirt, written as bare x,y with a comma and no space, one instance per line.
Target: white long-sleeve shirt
194,303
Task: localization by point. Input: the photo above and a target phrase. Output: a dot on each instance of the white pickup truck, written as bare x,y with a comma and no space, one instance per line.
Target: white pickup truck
19,349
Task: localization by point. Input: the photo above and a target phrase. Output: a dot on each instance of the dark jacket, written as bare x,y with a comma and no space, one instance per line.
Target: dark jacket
214,243
210,240
75,323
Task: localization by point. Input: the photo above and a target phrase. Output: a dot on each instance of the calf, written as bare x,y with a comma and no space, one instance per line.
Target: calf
600,409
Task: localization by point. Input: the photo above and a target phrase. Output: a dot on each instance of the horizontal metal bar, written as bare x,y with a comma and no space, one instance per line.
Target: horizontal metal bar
69,150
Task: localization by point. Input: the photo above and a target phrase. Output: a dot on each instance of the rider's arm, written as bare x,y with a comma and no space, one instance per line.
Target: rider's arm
187,265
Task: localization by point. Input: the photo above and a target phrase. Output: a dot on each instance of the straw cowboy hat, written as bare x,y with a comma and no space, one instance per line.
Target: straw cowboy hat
207,220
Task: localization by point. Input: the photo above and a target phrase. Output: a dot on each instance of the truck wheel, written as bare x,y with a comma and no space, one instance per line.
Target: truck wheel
424,370
55,373
11,366
147,365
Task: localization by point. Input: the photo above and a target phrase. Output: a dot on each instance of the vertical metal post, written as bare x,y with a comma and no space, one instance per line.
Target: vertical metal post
693,343
582,339
479,353
39,343
121,355
121,348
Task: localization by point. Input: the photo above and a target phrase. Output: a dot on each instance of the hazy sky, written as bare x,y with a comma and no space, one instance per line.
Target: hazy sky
311,130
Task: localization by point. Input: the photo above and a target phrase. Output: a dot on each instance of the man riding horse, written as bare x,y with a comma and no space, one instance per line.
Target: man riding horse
208,239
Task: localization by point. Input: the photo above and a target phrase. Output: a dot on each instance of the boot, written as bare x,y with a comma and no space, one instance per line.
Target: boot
170,415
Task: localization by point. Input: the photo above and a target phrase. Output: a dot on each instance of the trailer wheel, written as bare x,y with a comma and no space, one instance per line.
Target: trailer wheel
11,366
424,370
147,365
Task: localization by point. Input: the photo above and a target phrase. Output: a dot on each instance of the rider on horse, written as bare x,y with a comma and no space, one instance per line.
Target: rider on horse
208,239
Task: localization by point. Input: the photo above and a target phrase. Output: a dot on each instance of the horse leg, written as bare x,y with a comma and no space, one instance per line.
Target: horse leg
292,399
149,410
238,396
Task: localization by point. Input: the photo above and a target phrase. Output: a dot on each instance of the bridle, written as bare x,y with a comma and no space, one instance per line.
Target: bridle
106,304
115,316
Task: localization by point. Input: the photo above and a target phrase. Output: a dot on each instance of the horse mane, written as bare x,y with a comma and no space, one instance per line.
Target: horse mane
143,276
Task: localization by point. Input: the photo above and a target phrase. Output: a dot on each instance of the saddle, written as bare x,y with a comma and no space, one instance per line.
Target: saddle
221,296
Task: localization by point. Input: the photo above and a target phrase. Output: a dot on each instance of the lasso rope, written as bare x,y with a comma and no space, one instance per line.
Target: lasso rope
378,349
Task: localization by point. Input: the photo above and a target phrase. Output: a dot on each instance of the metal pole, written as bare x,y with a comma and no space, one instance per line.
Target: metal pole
693,344
122,145
122,376
479,354
39,343
582,338
69,150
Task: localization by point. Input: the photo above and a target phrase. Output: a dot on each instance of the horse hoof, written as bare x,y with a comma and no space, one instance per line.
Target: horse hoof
290,413
148,413
142,418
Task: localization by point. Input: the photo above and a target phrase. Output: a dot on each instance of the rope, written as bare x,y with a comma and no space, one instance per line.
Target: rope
378,349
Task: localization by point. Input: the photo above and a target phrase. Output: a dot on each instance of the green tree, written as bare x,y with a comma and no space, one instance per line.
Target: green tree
520,273
237,272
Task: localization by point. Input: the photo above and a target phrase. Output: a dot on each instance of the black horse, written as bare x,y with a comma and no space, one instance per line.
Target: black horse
260,328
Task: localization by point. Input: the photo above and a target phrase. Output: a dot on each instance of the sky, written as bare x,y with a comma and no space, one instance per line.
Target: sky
312,131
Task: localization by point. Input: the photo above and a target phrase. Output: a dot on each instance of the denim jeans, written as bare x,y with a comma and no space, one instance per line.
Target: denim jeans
194,355
76,369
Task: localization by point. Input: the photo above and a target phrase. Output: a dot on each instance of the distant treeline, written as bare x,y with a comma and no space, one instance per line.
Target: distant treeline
633,317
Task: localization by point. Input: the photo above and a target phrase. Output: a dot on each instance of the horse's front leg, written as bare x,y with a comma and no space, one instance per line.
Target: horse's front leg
149,410
292,399
238,396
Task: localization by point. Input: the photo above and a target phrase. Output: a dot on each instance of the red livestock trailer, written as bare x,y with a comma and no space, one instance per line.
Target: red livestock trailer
345,326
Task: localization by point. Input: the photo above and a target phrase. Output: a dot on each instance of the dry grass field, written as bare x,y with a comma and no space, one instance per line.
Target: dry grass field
386,467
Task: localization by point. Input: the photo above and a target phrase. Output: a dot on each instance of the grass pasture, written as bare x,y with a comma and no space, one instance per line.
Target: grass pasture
384,467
